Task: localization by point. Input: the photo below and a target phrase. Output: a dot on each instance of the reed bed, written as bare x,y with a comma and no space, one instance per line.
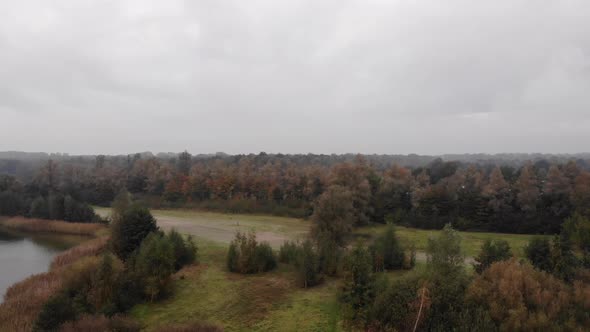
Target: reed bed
23,301
52,226
93,247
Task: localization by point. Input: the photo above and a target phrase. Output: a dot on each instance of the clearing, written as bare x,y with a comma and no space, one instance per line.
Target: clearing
222,227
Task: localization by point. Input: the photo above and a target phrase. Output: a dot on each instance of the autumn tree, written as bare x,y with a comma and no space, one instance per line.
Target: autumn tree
183,165
333,214
498,193
527,190
556,192
580,195
354,178
520,298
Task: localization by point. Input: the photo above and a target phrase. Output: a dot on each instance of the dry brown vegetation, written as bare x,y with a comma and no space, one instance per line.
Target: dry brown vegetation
94,323
23,301
52,226
89,248
519,297
194,327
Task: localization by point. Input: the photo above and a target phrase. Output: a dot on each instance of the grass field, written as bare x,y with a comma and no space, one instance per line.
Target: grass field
221,227
471,242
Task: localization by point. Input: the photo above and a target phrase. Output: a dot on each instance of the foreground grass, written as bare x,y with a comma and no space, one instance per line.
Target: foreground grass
263,302
471,242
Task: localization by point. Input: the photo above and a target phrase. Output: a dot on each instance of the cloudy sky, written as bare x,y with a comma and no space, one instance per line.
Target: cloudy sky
294,76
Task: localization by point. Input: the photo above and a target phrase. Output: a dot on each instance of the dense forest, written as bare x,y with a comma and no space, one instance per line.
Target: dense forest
504,193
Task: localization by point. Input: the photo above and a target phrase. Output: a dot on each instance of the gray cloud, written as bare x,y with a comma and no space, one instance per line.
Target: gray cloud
301,76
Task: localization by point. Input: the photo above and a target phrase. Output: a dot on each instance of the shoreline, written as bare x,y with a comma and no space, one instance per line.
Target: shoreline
29,225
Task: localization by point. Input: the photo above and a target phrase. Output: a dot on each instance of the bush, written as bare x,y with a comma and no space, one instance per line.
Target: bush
264,258
397,304
131,229
358,291
330,256
386,251
245,255
57,310
77,212
308,265
288,252
491,252
444,252
185,252
538,251
154,264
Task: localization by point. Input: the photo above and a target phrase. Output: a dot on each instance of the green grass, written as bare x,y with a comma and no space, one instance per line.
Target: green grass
263,302
471,242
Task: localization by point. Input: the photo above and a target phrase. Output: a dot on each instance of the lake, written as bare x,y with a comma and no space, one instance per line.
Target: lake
22,254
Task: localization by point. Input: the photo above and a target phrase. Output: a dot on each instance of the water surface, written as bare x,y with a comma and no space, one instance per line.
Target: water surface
22,255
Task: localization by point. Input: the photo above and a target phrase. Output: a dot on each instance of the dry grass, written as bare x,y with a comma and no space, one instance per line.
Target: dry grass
194,327
90,248
23,301
90,323
52,226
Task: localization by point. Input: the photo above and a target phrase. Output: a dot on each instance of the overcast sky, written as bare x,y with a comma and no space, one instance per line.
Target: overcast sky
336,76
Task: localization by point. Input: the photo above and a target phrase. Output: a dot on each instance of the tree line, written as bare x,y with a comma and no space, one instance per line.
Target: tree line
532,197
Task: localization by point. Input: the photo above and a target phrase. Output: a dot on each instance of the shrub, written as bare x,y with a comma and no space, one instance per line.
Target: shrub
245,255
308,265
538,251
264,258
358,291
330,256
57,310
444,252
131,229
288,252
397,303
76,211
184,251
387,252
491,252
154,264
